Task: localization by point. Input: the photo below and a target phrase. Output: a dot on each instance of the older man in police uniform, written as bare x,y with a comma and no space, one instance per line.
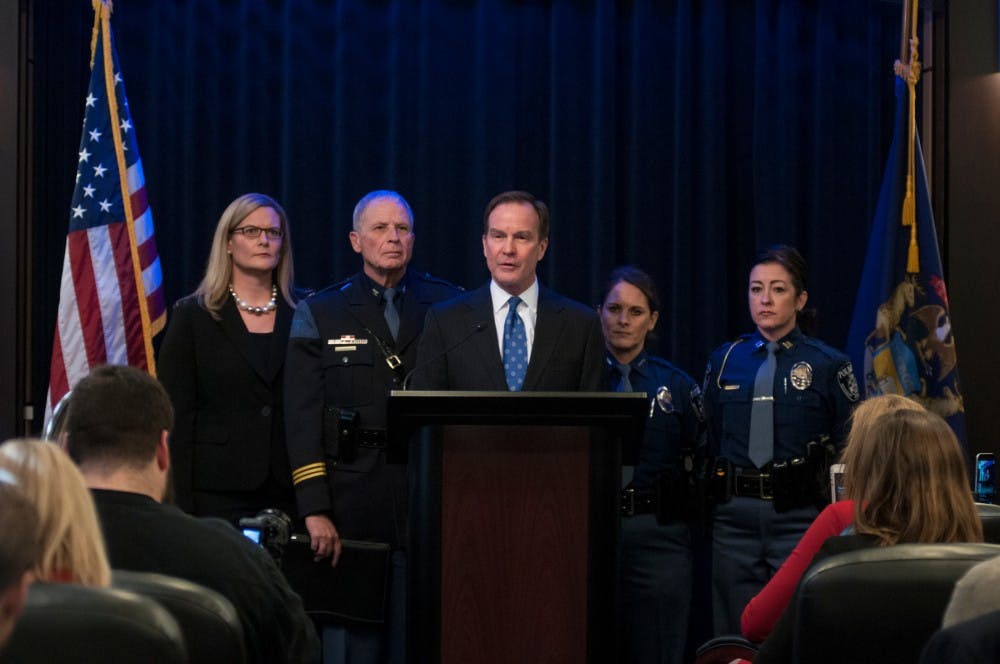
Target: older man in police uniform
350,344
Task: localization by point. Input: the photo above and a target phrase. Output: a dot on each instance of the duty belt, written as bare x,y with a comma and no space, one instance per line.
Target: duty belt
752,484
372,438
637,502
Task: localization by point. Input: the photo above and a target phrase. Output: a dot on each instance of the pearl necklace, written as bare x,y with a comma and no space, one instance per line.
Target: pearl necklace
257,311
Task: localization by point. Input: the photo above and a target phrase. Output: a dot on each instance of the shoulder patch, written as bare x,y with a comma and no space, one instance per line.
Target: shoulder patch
848,383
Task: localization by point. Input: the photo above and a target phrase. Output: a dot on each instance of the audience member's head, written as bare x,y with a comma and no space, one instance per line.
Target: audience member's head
117,426
906,473
19,549
72,548
975,594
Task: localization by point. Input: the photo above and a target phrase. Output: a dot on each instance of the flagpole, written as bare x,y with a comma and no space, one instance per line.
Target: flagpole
116,136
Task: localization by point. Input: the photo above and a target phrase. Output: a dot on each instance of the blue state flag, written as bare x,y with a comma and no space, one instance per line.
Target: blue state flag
901,337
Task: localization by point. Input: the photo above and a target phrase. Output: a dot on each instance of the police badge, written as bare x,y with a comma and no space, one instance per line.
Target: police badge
802,375
664,399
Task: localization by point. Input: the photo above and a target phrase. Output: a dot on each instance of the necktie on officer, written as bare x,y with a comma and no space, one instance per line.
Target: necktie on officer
762,411
624,384
391,313
515,347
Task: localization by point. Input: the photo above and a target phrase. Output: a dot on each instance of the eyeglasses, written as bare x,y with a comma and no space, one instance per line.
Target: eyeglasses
255,231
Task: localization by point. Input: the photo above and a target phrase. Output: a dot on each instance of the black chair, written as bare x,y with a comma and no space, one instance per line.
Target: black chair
724,649
990,515
210,624
879,604
65,622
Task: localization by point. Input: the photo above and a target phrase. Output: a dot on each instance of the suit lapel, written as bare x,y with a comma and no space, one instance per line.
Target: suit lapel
480,310
414,310
236,332
548,329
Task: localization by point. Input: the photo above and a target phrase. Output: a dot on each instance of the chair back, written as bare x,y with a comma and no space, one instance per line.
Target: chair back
210,624
879,604
990,516
64,622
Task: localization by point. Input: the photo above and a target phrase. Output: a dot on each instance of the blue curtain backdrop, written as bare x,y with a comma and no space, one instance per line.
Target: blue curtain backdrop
679,136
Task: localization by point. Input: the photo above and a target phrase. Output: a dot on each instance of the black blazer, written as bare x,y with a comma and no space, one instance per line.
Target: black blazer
229,431
459,349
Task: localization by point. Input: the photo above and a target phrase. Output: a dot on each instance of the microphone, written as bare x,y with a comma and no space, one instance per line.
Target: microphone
478,327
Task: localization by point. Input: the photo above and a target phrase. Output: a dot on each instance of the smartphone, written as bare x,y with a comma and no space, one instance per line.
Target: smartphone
836,482
986,486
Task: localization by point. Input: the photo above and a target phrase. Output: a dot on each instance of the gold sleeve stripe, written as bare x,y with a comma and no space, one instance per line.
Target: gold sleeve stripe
302,478
308,471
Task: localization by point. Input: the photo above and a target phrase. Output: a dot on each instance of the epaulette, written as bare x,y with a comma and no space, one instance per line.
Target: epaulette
430,278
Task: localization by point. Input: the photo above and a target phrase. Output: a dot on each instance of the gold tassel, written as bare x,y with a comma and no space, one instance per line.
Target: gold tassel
909,212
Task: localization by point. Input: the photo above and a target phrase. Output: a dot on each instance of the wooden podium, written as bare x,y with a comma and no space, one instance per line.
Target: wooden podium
513,522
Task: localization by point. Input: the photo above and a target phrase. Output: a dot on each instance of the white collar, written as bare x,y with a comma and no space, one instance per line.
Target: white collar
500,296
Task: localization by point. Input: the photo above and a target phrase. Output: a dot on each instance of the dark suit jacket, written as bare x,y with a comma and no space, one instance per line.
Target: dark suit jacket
336,362
459,349
976,641
229,432
143,535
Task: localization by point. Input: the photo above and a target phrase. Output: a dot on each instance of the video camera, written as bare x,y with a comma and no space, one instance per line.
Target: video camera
270,528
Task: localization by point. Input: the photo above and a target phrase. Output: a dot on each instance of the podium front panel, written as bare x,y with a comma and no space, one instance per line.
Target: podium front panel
515,516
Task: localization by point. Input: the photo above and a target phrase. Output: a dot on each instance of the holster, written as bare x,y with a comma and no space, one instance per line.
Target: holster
674,497
802,481
720,482
340,434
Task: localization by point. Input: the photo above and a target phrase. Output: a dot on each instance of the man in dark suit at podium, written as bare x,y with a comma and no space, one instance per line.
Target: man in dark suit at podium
512,334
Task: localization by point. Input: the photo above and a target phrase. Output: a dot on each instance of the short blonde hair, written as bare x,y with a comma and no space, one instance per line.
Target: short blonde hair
214,287
72,544
906,474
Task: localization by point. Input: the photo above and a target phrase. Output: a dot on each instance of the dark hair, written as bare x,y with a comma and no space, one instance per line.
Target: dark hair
789,258
20,545
541,209
630,274
116,415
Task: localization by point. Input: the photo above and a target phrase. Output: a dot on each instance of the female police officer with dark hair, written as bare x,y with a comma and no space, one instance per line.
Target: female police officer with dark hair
777,403
656,563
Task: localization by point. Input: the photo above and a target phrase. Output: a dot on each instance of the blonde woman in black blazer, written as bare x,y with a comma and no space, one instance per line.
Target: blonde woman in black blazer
222,362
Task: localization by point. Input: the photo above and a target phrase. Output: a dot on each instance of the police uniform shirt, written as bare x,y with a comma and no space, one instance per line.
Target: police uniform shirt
675,416
378,293
814,392
338,361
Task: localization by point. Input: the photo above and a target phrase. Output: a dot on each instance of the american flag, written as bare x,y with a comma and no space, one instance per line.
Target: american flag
111,300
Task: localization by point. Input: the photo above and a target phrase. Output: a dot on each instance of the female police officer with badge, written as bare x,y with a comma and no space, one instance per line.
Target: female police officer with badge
655,572
777,403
